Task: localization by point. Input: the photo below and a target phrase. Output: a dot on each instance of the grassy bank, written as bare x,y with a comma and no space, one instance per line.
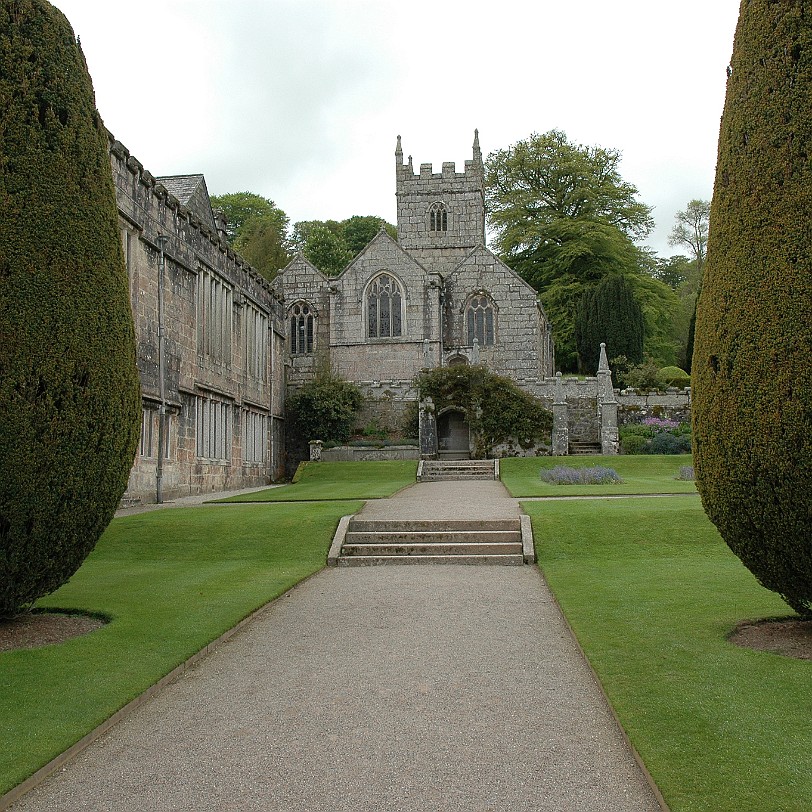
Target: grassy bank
171,581
339,480
651,592
643,474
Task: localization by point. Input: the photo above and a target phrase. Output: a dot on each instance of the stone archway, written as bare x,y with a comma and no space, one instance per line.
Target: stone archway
453,435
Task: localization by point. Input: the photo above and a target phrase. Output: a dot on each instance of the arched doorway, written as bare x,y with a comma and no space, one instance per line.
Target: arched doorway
453,435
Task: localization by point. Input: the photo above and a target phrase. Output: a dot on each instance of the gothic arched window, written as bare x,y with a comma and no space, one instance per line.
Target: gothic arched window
384,307
479,320
438,217
302,328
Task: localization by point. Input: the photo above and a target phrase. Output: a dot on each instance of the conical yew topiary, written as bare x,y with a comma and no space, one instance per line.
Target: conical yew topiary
69,391
752,370
610,314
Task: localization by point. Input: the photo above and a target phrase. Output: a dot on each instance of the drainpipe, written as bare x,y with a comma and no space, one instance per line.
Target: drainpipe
159,470
272,319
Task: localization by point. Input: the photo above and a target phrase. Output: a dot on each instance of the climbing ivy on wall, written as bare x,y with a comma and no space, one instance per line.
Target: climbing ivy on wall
497,410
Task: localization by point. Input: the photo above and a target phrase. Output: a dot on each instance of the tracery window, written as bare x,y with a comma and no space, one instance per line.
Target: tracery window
438,217
384,307
479,320
302,328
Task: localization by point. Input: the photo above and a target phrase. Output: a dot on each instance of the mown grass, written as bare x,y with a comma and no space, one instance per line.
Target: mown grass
319,481
643,474
652,592
171,581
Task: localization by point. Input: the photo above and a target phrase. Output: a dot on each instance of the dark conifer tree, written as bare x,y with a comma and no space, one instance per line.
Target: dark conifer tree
69,391
609,313
751,369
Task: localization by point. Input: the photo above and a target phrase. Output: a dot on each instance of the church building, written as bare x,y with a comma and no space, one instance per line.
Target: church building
434,297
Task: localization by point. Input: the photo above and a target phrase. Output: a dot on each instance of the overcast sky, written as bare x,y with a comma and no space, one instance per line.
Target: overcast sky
301,101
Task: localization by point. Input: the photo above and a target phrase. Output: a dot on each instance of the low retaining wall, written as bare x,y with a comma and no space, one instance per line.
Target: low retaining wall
348,453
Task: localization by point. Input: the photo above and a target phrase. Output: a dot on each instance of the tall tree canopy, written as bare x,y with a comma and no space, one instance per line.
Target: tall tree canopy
258,230
752,377
332,244
70,404
691,230
609,313
564,218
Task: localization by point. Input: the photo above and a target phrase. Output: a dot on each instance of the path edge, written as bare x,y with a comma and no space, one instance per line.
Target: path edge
35,779
658,796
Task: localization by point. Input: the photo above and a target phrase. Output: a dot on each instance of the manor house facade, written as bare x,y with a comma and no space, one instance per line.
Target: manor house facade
210,342
434,297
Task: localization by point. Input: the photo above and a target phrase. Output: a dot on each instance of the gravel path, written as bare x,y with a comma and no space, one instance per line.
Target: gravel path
375,689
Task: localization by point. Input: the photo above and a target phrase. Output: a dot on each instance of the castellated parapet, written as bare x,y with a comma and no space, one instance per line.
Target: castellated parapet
441,216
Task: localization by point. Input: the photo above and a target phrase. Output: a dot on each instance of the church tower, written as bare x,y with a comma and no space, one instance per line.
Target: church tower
441,216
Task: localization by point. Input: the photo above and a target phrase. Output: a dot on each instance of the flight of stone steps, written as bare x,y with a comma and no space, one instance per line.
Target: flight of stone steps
439,470
362,542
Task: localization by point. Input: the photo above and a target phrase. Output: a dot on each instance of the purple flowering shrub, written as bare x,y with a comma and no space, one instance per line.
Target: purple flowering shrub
592,475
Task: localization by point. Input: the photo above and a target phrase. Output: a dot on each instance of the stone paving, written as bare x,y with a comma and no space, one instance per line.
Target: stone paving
376,689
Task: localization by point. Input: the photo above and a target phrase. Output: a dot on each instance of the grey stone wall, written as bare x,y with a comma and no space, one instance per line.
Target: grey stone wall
146,210
635,407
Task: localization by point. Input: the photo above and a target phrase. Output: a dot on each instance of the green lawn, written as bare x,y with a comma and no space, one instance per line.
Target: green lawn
643,474
340,480
171,581
651,592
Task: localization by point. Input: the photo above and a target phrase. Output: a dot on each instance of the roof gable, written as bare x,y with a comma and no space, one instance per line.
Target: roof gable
191,192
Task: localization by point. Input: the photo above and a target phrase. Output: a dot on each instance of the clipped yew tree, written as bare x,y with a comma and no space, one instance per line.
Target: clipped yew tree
752,363
610,314
69,391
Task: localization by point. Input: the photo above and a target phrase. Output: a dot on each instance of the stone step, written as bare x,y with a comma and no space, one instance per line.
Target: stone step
378,560
576,449
435,549
432,541
456,478
431,525
433,537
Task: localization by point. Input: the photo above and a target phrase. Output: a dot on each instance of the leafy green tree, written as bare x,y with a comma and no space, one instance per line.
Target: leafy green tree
326,250
323,409
563,218
257,229
358,231
242,207
673,271
332,244
609,313
752,377
691,230
264,246
70,401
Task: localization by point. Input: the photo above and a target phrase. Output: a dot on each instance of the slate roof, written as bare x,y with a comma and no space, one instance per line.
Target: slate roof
191,191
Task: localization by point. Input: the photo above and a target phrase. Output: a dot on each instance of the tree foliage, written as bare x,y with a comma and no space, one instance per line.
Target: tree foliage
564,218
752,407
69,391
258,230
609,313
323,409
691,230
497,410
332,244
